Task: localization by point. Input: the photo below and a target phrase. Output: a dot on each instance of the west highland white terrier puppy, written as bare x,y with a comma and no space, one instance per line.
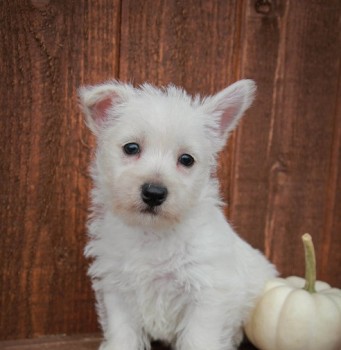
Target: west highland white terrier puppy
166,264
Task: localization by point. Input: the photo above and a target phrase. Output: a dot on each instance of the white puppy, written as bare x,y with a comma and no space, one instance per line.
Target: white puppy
166,264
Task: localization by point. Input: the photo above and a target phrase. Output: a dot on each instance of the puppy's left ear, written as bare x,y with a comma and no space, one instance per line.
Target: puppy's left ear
228,106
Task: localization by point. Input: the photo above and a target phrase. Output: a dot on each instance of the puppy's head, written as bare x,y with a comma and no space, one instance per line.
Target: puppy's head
156,148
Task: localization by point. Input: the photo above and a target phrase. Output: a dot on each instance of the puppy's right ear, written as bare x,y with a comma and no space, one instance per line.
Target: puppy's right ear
98,102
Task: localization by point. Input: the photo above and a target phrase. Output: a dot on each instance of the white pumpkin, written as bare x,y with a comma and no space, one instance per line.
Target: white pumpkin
296,313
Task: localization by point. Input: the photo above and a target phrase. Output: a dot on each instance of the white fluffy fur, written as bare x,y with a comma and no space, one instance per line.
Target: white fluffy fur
180,274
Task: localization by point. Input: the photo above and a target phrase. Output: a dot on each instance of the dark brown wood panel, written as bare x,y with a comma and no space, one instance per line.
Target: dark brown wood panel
82,342
48,48
286,164
179,42
330,254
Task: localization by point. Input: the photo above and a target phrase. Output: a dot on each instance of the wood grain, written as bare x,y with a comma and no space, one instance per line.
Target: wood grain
48,49
157,43
286,165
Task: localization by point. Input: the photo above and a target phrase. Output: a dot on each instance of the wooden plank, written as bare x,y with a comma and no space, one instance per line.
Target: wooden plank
58,342
84,342
48,49
330,256
286,159
158,43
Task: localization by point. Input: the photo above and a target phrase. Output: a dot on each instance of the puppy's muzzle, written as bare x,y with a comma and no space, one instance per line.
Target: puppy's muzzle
153,194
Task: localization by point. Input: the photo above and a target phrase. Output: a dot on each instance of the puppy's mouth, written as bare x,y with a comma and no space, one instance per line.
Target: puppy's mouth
154,211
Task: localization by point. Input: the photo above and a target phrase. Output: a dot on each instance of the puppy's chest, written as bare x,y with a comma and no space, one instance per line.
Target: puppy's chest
157,267
160,276
161,288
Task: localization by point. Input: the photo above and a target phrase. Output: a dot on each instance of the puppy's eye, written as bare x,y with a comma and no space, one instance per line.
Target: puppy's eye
131,148
186,160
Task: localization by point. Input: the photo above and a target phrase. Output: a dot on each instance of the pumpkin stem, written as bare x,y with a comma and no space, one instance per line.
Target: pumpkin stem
310,263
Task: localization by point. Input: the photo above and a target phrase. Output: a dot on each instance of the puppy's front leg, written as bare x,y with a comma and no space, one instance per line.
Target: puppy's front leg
206,327
121,331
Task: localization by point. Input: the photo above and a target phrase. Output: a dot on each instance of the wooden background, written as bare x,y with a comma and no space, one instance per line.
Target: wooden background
280,173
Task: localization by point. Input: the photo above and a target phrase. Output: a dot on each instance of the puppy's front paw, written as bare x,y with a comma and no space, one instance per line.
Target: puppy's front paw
106,346
238,337
121,345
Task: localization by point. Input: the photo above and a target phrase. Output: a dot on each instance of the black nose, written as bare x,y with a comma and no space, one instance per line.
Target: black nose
153,194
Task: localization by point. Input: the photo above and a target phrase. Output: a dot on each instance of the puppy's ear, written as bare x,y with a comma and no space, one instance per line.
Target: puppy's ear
98,102
228,106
